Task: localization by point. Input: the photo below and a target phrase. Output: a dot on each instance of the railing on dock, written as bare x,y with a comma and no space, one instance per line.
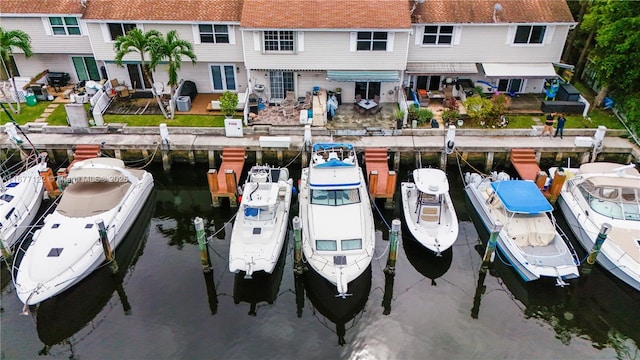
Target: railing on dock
224,183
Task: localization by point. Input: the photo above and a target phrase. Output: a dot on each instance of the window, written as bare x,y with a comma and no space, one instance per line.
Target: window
278,41
118,29
527,34
437,35
217,34
511,86
372,41
351,244
326,245
280,82
64,25
223,77
86,68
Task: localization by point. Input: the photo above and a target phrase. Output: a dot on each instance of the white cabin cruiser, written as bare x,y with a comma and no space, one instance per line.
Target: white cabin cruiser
599,193
20,199
260,226
338,232
68,247
529,238
428,210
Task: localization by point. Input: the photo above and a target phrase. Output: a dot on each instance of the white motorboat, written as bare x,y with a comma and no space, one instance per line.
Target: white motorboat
599,193
529,238
260,226
68,247
428,210
20,199
338,232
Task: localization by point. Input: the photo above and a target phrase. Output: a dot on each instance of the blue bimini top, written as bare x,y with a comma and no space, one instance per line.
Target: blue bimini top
521,196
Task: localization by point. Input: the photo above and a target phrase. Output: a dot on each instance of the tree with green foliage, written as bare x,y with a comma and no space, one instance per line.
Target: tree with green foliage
137,41
11,40
172,49
482,111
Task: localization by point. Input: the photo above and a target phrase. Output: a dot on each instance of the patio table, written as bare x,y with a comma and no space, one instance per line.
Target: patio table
367,104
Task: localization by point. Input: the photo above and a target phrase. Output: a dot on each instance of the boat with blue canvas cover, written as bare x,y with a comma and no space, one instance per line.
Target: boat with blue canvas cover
530,238
338,232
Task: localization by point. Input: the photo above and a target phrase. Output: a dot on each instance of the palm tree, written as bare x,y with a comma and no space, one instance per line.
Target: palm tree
137,41
10,40
172,49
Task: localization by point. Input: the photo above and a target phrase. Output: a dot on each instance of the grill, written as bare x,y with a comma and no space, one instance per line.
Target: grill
58,79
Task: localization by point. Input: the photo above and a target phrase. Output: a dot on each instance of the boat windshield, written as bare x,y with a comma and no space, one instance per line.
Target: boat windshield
335,197
345,245
619,203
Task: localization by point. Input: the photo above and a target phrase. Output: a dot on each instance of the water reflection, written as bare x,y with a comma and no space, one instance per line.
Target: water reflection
62,316
425,261
262,287
322,295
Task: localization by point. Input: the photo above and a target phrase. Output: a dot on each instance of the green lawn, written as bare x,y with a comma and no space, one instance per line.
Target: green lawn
178,120
596,118
27,113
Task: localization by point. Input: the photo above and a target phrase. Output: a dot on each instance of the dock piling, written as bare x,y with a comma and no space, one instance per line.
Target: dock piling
202,244
595,250
394,234
489,252
106,246
298,268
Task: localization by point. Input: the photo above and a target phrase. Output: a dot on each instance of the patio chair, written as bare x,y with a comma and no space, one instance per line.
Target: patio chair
376,109
376,98
362,110
306,104
114,83
358,97
289,111
125,94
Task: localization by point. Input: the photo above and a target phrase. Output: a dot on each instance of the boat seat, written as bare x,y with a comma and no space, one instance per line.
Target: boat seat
430,213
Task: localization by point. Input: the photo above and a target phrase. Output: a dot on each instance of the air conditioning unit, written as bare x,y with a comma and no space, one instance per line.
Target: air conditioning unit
183,103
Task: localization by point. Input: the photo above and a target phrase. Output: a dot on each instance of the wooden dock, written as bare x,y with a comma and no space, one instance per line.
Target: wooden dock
525,163
382,182
224,183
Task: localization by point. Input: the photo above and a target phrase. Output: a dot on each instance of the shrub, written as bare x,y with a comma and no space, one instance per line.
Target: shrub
228,103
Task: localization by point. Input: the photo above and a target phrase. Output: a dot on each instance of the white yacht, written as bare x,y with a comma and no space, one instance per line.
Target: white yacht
338,233
68,247
428,210
20,199
260,227
602,192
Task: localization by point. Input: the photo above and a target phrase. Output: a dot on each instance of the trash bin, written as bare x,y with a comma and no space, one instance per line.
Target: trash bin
30,98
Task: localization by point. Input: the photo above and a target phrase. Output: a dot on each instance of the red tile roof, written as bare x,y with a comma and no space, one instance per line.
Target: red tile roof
164,10
481,11
326,14
40,7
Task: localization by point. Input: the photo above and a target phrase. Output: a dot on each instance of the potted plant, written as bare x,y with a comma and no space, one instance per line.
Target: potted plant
450,116
228,103
399,114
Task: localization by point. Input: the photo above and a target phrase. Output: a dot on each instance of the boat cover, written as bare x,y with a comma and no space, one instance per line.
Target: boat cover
521,196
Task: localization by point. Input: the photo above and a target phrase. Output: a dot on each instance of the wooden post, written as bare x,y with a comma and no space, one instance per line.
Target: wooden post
117,153
443,160
166,162
585,157
541,180
192,157
211,154
373,182
70,155
297,242
212,178
396,161
390,190
394,234
559,156
50,184
488,165
144,153
491,246
556,185
202,244
280,155
106,246
232,187
259,157
595,250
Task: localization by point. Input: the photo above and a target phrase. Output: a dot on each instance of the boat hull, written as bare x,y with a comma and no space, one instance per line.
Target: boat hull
436,236
587,240
30,285
527,270
28,195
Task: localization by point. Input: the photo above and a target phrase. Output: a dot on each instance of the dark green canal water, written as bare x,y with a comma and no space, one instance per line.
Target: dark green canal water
162,306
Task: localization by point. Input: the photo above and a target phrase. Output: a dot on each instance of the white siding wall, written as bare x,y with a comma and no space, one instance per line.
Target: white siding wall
327,50
488,43
41,43
40,62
